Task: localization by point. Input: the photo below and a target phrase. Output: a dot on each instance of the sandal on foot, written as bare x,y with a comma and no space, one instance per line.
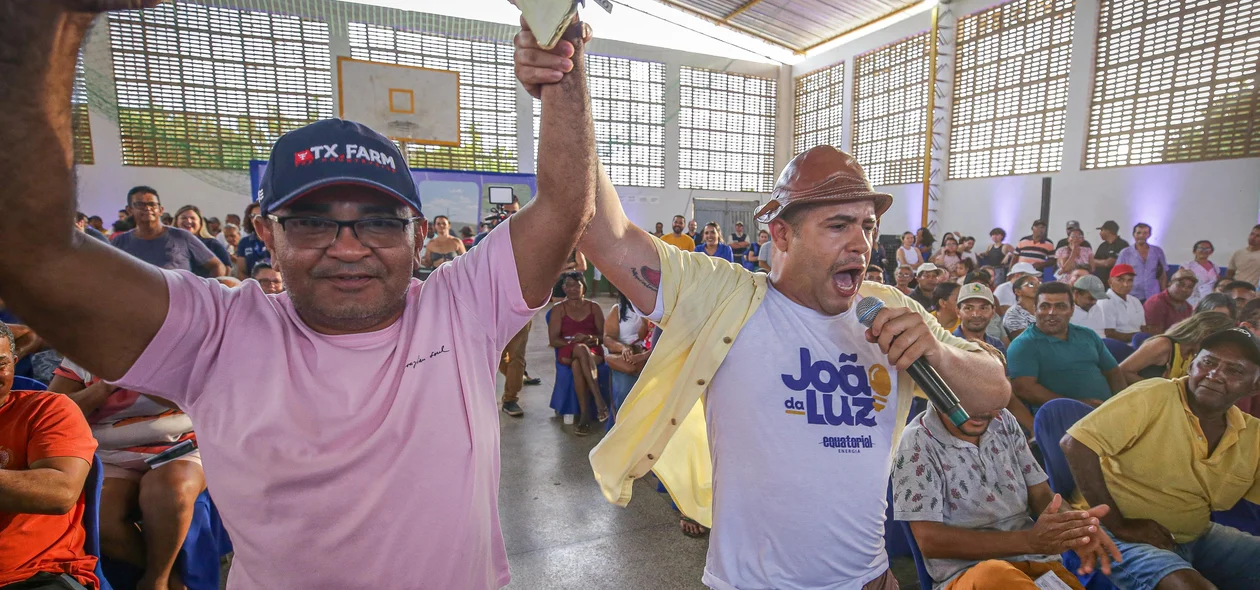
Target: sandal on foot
704,532
582,429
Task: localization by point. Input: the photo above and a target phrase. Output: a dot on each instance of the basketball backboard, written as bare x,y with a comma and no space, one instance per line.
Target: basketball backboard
418,105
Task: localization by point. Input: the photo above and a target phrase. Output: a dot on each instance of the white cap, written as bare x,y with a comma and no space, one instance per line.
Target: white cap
927,267
1023,268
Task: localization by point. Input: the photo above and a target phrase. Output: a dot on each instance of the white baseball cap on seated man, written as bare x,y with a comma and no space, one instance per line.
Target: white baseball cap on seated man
927,267
1021,268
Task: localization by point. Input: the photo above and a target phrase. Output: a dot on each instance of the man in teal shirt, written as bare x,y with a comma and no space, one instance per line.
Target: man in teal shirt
1054,358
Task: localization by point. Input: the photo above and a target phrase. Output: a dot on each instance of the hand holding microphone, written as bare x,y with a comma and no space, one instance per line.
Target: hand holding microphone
906,339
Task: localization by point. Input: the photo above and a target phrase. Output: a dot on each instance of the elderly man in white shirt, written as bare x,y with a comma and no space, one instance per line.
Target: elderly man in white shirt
1088,294
1125,314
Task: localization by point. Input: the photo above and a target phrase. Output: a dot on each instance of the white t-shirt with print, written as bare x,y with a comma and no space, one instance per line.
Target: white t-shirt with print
800,418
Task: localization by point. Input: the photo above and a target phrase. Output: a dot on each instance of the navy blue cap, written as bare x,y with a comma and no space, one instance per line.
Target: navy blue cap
335,152
1239,336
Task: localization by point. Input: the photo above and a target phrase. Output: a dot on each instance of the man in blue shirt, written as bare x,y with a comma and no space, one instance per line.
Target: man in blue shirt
1053,358
251,249
976,307
160,245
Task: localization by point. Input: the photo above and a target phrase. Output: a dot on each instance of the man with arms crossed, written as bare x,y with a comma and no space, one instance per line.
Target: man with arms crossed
803,414
353,415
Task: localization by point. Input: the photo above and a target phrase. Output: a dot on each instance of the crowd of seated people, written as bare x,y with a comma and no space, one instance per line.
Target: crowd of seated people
975,497
1051,331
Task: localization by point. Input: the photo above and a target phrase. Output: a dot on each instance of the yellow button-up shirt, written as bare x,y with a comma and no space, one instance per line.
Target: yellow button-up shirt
661,426
1155,459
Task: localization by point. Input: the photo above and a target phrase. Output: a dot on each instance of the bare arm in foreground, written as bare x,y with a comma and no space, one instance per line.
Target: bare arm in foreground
619,249
546,230
104,329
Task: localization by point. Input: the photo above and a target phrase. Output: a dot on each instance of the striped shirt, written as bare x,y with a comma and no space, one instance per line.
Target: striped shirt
130,426
1033,251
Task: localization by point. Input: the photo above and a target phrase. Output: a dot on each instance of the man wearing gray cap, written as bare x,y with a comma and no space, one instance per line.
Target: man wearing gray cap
1087,292
788,456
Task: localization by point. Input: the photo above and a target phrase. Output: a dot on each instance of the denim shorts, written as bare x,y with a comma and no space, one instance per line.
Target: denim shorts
1226,556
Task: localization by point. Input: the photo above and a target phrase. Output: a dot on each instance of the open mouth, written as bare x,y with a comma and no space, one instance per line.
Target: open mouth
848,280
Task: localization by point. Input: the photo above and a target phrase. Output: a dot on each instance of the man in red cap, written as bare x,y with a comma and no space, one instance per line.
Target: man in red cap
788,458
353,415
1125,314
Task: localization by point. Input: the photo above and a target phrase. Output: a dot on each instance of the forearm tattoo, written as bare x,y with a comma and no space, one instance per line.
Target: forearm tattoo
647,276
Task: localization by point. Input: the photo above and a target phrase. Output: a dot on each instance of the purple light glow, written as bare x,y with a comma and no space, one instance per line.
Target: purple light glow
1153,196
1004,203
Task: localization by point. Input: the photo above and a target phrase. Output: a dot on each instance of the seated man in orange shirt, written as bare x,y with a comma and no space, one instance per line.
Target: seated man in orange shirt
45,454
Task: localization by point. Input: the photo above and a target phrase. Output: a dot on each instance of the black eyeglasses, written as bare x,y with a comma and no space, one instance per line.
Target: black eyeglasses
321,232
143,205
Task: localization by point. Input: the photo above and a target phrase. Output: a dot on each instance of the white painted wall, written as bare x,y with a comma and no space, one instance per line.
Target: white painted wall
1215,200
103,186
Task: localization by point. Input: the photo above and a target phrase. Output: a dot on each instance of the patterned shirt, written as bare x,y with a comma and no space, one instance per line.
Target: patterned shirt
940,478
1017,318
129,427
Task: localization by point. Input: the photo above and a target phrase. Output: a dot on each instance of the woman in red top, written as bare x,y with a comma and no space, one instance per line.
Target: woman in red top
576,329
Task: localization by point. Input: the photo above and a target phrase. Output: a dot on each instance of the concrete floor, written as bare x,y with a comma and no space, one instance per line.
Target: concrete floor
559,530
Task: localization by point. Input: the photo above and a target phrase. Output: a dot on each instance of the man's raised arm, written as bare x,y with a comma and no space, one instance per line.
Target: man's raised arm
619,249
104,329
546,230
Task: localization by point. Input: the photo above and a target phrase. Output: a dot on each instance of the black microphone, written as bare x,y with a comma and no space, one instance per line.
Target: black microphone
923,374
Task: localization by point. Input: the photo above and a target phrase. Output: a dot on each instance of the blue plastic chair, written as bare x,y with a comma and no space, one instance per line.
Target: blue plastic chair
1138,339
1118,349
92,517
1244,516
1049,425
925,579
198,561
895,542
27,384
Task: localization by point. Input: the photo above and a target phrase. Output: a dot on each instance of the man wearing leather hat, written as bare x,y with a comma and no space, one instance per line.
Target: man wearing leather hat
789,454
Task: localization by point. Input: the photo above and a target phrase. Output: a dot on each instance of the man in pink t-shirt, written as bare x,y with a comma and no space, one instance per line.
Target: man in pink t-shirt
348,427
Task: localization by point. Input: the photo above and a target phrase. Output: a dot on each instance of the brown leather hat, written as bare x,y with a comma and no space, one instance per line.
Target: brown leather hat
821,174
